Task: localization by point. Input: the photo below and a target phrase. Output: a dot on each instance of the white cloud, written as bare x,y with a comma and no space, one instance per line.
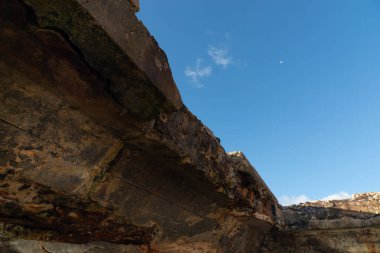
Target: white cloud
198,72
337,196
219,56
294,200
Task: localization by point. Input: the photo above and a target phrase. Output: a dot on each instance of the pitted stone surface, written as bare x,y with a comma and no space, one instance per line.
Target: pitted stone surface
99,154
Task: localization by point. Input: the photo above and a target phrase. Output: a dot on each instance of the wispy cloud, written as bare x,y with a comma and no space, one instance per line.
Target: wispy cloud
293,200
337,196
220,56
198,72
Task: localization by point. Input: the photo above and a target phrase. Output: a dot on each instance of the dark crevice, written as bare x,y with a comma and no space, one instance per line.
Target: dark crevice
13,125
29,132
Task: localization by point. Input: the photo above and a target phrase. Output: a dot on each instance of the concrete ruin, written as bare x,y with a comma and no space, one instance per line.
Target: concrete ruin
99,154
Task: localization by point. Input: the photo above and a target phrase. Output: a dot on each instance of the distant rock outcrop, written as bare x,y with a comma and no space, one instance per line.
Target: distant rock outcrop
350,225
99,154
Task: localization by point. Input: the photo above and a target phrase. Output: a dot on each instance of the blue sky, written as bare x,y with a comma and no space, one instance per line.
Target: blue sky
294,84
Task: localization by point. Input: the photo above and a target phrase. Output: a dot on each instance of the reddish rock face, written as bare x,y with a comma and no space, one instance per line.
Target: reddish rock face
99,154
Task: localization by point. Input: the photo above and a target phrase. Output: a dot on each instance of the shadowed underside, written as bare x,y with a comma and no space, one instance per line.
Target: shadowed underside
98,153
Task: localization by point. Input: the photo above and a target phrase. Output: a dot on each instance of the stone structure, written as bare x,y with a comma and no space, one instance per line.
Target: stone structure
99,154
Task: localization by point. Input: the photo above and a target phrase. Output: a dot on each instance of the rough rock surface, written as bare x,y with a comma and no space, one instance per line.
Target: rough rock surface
350,225
99,154
96,144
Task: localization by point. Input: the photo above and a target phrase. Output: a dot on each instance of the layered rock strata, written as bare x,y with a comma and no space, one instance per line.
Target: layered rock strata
350,225
97,146
99,154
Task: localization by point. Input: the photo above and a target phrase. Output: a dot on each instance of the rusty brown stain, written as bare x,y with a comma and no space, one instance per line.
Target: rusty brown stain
371,248
251,197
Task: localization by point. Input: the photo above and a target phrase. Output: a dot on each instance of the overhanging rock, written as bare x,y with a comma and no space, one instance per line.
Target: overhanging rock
96,144
99,154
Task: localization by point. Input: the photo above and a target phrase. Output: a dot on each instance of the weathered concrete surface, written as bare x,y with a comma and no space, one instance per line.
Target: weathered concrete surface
99,154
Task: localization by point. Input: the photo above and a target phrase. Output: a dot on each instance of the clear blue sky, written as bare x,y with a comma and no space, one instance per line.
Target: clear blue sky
294,84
